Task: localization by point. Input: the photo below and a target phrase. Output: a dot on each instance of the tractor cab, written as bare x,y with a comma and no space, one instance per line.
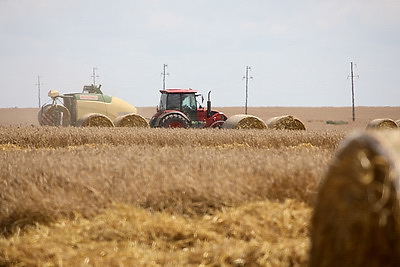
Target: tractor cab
183,100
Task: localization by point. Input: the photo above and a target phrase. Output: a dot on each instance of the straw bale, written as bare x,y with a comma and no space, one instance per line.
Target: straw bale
131,120
356,220
382,124
244,121
94,120
54,115
286,122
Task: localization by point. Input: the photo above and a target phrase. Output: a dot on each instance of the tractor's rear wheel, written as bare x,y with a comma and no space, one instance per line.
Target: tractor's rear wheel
174,121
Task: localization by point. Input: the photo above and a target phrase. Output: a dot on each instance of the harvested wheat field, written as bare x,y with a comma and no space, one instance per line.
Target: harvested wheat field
127,196
158,196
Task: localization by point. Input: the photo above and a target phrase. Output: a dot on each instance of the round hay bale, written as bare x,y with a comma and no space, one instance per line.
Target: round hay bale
54,115
356,219
286,122
131,120
382,124
244,121
94,120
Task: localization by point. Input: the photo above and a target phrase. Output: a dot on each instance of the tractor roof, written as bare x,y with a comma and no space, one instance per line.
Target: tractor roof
179,91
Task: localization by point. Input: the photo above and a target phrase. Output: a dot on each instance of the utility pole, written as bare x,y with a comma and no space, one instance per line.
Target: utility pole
38,86
164,74
247,77
94,76
352,88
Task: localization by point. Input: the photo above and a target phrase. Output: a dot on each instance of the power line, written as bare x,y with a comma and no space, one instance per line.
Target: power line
247,77
352,88
164,74
38,86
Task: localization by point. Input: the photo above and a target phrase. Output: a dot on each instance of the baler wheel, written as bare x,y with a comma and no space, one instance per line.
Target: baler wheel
54,115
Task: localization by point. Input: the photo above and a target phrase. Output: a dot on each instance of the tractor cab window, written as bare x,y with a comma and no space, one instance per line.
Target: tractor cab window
189,101
174,102
189,106
163,102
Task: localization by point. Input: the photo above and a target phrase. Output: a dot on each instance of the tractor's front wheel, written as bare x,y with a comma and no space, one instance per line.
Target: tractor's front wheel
174,121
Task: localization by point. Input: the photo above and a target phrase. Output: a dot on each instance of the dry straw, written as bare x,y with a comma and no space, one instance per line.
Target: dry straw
286,122
356,221
244,121
94,120
131,120
261,233
56,137
382,124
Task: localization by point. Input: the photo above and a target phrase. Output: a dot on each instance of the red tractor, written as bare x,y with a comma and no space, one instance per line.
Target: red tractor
179,108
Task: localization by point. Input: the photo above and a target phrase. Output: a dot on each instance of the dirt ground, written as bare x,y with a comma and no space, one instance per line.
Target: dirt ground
312,117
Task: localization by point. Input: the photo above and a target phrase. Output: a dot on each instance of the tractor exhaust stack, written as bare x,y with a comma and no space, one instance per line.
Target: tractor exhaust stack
209,105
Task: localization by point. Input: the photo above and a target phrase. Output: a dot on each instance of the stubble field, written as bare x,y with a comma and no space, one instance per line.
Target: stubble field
159,197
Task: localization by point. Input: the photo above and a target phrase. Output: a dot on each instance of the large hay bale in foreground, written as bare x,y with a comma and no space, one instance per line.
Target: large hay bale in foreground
382,124
131,120
94,120
356,220
286,122
244,121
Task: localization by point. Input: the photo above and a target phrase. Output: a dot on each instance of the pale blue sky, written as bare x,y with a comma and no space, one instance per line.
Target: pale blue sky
299,51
